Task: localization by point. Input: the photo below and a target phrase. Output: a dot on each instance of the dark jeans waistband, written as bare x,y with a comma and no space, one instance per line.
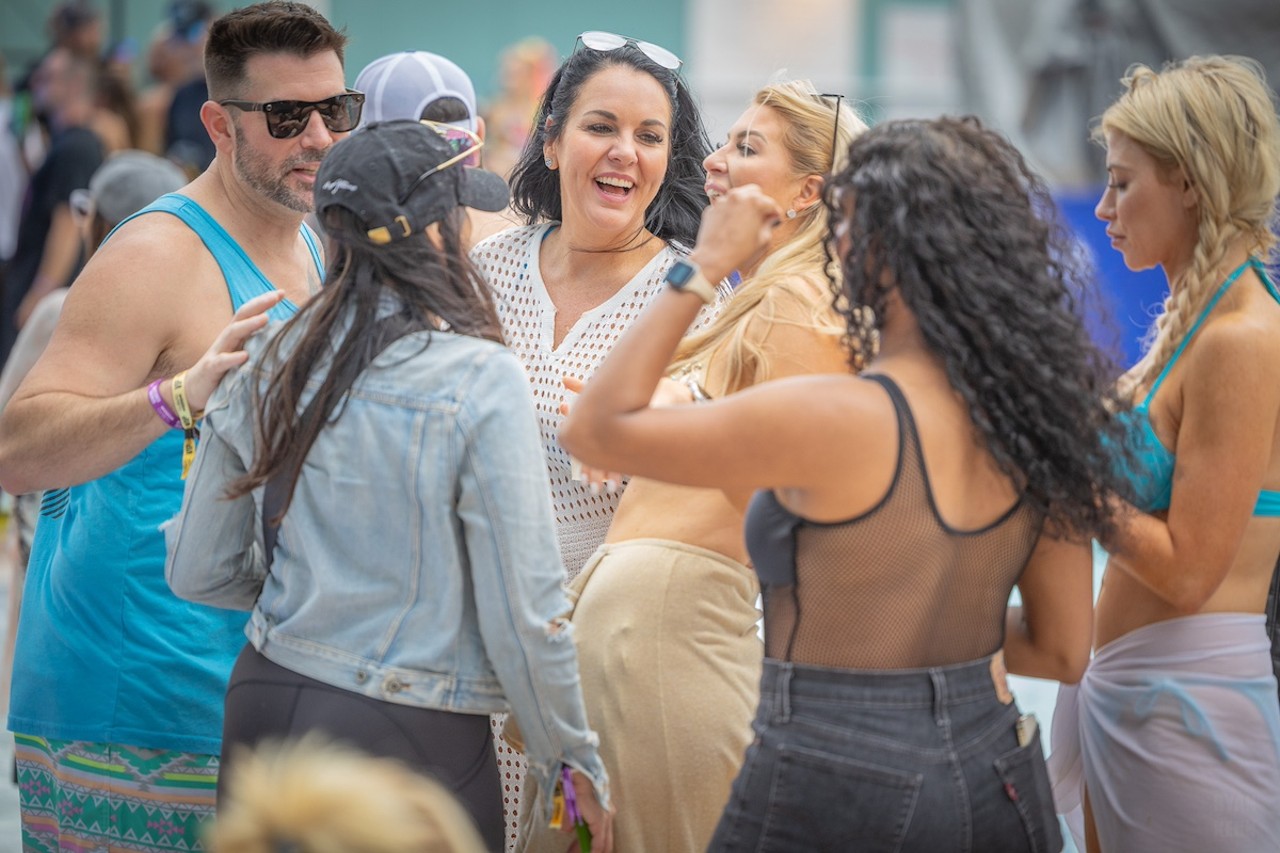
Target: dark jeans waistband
931,687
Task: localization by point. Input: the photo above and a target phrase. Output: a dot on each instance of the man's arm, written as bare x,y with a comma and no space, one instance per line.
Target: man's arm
150,302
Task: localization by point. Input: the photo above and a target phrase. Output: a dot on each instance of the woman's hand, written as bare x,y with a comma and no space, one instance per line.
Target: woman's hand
599,821
735,231
597,479
227,349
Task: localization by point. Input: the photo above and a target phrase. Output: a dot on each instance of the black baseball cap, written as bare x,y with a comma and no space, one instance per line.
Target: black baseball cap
377,175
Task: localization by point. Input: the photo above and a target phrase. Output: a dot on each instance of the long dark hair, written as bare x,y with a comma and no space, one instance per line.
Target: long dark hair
428,285
948,214
675,212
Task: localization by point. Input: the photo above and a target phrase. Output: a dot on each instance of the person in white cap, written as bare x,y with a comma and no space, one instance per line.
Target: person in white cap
418,85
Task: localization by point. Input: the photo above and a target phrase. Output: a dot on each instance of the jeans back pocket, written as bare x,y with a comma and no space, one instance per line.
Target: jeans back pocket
820,801
1026,784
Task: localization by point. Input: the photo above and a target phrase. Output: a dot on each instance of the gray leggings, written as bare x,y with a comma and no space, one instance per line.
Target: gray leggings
268,701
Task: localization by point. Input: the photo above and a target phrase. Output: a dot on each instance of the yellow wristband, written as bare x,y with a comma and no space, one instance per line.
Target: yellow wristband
189,432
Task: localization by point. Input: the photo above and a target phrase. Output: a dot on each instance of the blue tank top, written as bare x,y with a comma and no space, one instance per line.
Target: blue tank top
106,652
1152,474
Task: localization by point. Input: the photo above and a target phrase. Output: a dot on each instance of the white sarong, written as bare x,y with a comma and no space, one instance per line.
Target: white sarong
1175,729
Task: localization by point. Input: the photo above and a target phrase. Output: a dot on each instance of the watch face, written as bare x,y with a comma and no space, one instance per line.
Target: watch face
680,273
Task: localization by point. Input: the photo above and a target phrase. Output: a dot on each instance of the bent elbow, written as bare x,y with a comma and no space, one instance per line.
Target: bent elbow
13,478
1070,668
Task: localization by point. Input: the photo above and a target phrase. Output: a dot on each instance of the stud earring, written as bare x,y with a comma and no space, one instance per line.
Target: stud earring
791,213
548,162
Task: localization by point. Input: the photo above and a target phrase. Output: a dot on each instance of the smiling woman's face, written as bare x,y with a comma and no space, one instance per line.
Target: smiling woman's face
613,151
754,153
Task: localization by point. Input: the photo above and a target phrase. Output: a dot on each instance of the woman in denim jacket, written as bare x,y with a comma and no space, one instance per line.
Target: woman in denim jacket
402,502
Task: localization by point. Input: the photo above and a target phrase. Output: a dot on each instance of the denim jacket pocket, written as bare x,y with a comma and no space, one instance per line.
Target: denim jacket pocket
1026,784
821,801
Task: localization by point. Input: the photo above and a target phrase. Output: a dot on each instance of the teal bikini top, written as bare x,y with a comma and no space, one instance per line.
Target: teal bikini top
1152,474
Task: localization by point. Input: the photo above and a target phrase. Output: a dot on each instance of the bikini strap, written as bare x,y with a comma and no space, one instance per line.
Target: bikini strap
1261,269
1195,327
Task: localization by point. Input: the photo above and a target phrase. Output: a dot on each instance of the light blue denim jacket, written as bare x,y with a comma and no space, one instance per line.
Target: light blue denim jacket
417,562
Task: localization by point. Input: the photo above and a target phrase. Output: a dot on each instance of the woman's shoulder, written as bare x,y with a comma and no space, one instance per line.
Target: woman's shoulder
509,244
1237,347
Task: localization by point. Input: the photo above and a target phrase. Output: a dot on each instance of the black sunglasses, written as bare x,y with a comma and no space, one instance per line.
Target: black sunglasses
835,130
287,119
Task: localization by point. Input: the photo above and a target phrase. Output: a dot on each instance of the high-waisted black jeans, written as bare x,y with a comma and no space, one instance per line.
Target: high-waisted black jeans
903,760
268,701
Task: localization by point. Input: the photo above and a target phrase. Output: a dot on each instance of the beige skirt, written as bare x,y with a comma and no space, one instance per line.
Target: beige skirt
670,658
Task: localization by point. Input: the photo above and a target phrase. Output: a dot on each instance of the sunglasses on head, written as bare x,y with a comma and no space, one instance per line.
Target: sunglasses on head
463,142
287,119
835,130
602,41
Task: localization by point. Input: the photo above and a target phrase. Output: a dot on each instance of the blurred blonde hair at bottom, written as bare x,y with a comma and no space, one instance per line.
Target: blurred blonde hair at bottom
316,796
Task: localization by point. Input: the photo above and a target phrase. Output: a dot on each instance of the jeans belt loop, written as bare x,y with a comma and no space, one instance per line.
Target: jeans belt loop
939,694
783,708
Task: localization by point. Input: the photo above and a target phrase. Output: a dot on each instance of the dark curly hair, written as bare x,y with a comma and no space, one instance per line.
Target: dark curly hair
947,214
675,212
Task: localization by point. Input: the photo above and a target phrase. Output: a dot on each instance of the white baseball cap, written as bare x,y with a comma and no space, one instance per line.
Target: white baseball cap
402,85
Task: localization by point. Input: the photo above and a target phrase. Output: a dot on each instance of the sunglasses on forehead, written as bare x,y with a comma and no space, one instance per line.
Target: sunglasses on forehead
463,142
287,119
604,42
835,129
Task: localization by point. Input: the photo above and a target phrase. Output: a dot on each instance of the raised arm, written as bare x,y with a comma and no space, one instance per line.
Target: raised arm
767,436
83,410
1231,404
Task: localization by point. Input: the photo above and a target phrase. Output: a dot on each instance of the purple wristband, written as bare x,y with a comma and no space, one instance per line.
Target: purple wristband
162,408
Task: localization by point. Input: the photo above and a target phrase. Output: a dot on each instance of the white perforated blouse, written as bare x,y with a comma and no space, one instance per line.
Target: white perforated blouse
509,261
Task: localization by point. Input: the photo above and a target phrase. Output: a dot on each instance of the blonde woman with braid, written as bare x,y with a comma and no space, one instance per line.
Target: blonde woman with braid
665,618
1175,726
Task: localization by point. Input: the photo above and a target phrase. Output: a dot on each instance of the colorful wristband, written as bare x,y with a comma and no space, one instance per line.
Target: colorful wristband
187,419
162,408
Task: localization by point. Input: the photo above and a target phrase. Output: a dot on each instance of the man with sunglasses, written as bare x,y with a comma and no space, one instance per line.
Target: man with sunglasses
118,684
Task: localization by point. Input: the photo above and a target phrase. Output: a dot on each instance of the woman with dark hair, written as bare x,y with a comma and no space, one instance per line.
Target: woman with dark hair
665,614
964,453
373,474
611,183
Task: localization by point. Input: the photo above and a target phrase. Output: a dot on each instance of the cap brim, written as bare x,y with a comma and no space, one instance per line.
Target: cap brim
483,190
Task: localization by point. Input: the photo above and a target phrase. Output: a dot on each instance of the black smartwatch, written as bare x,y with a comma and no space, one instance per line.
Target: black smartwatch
686,277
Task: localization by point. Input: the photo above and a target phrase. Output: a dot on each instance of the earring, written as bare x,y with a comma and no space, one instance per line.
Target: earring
549,163
791,213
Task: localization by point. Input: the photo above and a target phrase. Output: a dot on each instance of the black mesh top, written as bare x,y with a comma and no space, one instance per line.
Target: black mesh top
894,588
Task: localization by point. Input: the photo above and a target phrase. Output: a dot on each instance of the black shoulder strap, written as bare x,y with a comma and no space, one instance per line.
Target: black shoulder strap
385,332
